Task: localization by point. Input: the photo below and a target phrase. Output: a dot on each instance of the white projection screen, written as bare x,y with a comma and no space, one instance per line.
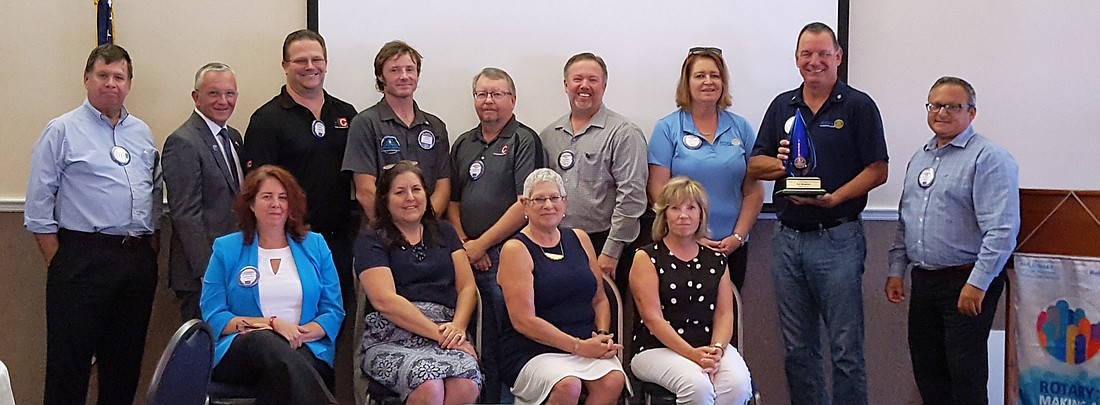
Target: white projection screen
643,42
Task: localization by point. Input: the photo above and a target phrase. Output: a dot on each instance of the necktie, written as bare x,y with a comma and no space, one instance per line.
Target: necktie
227,149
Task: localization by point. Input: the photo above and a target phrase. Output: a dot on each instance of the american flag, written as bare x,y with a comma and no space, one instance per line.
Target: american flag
105,25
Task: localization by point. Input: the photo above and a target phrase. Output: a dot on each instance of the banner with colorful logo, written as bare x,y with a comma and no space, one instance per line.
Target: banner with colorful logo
1057,306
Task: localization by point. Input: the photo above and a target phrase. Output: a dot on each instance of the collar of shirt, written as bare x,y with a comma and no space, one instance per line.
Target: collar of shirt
214,127
960,141
287,102
839,94
101,117
687,124
385,113
506,132
598,120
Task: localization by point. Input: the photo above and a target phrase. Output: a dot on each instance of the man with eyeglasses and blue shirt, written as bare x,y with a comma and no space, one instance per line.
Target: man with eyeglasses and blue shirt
958,220
489,165
819,246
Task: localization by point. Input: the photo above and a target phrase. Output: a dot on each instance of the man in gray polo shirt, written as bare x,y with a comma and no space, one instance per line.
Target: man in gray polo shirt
490,163
396,129
602,158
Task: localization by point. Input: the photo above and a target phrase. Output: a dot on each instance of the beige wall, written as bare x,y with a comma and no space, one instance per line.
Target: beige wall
46,43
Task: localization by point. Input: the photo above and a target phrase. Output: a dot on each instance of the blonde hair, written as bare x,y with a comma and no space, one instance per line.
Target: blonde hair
678,190
683,87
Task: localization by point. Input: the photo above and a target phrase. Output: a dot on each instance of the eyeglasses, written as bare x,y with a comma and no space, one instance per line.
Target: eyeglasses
542,200
699,50
496,95
951,108
387,168
305,61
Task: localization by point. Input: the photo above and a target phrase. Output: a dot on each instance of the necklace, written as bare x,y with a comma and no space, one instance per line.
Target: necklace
552,255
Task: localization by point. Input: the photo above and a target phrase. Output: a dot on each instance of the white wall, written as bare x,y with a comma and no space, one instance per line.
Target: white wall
1033,64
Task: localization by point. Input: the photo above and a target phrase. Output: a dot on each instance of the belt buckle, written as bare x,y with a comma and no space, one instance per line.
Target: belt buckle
131,240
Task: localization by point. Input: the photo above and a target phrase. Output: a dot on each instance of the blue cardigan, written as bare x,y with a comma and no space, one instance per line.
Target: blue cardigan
223,297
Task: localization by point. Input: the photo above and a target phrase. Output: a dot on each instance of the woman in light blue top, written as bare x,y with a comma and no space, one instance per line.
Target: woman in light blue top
704,141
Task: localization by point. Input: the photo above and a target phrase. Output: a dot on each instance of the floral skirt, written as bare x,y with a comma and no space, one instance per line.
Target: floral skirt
402,360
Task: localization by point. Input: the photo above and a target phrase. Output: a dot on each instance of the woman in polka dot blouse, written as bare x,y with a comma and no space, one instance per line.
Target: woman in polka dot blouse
684,300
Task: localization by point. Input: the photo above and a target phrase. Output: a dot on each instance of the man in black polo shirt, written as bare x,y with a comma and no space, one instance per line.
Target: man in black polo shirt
490,164
395,129
304,129
819,248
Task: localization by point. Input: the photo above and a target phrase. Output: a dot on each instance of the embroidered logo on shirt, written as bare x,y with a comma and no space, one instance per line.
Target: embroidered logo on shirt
389,145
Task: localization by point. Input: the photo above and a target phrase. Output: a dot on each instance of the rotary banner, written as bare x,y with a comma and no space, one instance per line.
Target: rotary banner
1057,303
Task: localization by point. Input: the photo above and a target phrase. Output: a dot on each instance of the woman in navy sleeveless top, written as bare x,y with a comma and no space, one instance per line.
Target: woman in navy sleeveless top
555,336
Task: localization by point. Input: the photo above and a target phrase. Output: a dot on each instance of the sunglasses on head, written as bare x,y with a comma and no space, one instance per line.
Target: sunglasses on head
387,168
699,50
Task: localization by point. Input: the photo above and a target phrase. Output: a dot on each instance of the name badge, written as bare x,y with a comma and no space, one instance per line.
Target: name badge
120,155
692,142
476,169
926,177
566,159
318,129
248,277
426,139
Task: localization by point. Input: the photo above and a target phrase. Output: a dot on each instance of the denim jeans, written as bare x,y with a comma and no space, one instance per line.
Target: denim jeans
492,299
818,276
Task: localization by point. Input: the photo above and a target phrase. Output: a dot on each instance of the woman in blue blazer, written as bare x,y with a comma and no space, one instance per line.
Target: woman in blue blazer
272,295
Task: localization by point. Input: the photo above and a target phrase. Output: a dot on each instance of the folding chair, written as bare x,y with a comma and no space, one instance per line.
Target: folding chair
183,370
367,390
654,394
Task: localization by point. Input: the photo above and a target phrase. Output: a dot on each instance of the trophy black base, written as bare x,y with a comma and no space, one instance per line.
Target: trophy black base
801,186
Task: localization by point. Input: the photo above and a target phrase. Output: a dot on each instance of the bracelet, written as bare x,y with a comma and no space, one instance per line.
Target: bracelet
271,322
739,238
721,347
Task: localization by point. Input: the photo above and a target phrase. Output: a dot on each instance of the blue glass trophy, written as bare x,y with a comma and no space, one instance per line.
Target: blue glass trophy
801,162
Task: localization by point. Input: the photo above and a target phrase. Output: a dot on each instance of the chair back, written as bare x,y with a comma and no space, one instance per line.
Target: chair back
615,302
183,370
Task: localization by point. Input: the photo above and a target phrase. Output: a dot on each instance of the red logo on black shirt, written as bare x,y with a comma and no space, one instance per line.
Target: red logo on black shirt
341,122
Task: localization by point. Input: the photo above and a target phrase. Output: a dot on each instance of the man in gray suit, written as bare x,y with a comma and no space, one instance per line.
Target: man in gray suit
202,172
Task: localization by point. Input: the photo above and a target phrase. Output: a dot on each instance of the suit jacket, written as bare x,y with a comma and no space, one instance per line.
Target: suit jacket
200,198
223,297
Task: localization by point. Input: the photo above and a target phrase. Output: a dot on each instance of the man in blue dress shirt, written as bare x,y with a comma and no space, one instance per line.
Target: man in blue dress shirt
959,217
93,201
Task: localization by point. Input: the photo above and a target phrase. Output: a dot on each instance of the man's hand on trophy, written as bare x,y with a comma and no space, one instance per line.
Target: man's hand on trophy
826,200
783,149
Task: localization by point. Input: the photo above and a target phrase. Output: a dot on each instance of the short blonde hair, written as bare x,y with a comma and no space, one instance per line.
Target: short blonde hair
678,190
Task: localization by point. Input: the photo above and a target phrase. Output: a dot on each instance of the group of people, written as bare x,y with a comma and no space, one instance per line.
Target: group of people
272,229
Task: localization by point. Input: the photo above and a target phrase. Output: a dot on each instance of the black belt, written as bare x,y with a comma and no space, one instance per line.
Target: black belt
817,226
102,239
948,270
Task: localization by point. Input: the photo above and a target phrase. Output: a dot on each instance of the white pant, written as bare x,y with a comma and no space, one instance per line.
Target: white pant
731,384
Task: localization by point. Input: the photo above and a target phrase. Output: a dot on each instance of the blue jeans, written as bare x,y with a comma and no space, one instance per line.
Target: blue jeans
492,299
818,276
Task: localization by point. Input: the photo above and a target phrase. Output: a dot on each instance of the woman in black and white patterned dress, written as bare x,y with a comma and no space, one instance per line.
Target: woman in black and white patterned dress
684,300
422,296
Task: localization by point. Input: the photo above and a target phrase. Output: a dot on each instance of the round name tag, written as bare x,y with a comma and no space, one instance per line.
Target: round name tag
788,125
926,177
120,155
476,169
248,276
426,139
318,129
692,142
566,159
